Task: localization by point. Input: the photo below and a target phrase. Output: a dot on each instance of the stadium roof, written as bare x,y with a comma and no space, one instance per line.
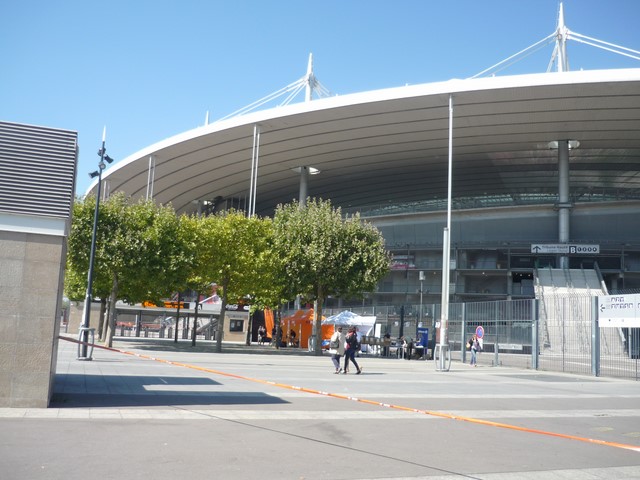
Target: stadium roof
391,146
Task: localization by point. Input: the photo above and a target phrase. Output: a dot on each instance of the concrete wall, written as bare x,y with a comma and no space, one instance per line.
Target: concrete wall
37,172
30,279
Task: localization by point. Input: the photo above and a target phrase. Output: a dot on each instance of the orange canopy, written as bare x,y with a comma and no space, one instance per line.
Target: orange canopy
301,322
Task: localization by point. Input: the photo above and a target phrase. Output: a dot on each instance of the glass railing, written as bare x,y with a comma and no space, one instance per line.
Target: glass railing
464,203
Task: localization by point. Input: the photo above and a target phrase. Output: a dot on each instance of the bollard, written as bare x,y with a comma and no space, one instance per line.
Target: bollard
90,340
442,357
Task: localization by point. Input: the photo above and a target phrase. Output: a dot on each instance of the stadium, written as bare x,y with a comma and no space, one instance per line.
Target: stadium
534,178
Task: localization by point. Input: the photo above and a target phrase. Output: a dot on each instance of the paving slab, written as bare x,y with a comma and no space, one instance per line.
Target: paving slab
157,409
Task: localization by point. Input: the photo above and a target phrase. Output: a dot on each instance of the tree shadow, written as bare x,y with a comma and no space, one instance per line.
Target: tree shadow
81,391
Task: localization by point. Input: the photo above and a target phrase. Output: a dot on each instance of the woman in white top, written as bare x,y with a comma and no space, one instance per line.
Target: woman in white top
336,348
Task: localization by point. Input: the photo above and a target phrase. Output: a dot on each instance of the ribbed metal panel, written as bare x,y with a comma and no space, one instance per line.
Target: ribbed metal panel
37,170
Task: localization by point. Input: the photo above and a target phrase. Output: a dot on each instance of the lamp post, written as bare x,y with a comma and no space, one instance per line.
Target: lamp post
421,292
85,331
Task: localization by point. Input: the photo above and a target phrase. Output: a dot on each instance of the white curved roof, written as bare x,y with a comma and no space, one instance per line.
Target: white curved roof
391,146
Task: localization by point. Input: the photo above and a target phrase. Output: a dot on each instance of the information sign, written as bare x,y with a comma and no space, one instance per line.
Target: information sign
619,311
564,248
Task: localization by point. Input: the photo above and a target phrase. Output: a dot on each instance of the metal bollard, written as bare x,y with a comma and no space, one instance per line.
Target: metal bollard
90,340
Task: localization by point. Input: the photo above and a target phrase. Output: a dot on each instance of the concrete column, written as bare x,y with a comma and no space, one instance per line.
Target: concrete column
564,206
304,181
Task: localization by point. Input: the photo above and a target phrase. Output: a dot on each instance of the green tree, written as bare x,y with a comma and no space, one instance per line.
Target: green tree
139,252
231,250
78,252
327,254
271,289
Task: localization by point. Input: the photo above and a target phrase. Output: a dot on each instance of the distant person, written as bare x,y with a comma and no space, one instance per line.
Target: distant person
336,348
352,346
474,346
262,332
292,338
408,347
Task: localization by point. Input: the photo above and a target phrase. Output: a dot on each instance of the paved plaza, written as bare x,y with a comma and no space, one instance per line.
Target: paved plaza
160,410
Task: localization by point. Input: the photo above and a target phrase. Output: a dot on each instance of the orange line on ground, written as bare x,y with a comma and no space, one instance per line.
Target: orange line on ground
478,421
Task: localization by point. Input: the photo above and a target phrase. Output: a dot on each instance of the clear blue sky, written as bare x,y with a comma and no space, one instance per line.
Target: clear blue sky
150,69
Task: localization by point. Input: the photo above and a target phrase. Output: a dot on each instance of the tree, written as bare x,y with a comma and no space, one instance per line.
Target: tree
272,289
231,250
328,255
78,251
139,252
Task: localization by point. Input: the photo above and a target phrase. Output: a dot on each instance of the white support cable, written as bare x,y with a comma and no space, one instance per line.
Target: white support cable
322,90
291,91
608,49
546,39
261,101
604,43
292,95
554,55
520,58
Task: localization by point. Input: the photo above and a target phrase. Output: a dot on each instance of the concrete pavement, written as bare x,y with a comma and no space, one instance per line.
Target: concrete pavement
253,412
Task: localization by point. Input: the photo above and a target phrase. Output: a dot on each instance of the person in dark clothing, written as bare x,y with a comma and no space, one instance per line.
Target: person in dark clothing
353,346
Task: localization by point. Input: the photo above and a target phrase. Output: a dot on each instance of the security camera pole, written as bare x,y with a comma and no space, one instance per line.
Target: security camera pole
85,331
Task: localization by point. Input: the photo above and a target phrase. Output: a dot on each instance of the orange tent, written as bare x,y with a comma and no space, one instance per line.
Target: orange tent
301,322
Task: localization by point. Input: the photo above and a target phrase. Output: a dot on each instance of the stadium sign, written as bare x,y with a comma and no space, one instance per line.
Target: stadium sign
565,248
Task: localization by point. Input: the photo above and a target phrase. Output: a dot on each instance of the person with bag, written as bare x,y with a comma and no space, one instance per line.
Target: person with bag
336,348
474,346
352,346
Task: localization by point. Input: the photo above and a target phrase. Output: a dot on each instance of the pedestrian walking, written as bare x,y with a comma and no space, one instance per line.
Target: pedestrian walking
336,348
352,345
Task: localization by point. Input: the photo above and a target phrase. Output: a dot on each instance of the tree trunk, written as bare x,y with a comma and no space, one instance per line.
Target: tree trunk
111,324
278,334
195,321
223,308
249,332
319,301
175,334
103,310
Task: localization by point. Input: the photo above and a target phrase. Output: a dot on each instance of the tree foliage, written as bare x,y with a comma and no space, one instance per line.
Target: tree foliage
139,253
145,252
232,251
327,254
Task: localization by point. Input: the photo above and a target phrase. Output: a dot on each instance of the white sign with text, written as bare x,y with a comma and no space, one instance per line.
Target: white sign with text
619,311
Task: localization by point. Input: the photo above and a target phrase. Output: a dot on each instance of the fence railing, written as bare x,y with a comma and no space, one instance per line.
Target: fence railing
559,334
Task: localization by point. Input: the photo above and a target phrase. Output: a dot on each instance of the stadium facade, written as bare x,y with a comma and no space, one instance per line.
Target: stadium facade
498,176
538,161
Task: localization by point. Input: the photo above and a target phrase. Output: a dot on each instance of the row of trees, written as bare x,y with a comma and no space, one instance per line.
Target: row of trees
145,252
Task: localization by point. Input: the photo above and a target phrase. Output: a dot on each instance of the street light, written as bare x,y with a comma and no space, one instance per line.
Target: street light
85,331
421,291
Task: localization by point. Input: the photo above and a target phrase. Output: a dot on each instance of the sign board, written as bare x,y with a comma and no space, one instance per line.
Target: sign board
423,337
479,331
619,311
565,248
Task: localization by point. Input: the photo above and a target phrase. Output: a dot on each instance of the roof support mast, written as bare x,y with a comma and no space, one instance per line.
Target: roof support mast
310,80
562,34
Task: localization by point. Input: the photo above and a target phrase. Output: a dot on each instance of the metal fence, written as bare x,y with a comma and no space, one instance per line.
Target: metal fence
559,333
154,325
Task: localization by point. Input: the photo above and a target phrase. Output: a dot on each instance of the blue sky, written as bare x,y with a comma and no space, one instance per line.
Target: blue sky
150,69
